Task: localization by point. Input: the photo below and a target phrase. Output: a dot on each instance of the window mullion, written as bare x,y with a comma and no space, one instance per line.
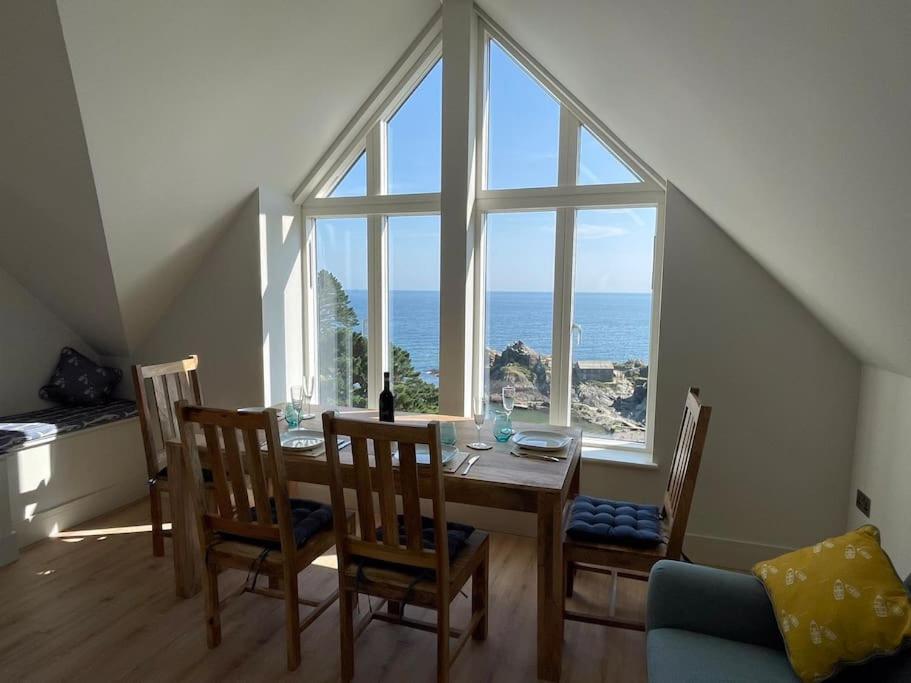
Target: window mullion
377,278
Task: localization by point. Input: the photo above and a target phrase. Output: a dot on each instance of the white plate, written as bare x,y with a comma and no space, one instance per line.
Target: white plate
302,439
422,453
535,440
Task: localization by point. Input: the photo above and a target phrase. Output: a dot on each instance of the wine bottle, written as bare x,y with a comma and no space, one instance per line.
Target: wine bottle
387,401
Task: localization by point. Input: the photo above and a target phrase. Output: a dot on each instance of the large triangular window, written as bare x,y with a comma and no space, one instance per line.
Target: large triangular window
562,222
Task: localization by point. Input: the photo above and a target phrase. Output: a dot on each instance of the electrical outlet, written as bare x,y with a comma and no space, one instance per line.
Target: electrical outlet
863,502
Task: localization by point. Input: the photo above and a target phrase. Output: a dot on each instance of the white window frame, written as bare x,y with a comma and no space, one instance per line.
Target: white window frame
366,133
376,206
566,198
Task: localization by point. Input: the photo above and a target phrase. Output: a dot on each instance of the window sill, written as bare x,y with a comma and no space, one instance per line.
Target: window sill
615,456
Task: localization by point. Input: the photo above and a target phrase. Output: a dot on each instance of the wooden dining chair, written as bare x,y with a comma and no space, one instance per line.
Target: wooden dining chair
403,561
633,552
277,537
157,388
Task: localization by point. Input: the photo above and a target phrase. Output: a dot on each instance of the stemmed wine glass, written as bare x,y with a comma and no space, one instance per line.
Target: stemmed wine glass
509,402
307,390
479,413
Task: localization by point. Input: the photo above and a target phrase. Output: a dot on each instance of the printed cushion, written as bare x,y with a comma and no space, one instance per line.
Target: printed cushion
41,426
838,602
308,517
456,535
605,521
79,381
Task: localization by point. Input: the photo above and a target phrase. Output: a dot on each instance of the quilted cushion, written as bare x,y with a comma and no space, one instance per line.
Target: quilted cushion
456,535
309,518
79,381
606,521
206,474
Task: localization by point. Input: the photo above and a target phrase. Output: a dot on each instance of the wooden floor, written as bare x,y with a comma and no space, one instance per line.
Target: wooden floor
96,604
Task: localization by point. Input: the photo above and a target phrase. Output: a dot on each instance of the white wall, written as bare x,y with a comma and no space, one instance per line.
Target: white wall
784,392
217,316
281,285
31,337
882,461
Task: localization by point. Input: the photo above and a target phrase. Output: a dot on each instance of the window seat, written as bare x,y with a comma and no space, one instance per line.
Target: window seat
42,426
62,466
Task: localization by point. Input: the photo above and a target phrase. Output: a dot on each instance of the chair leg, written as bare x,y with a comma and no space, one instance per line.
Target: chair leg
480,597
443,640
292,618
155,513
570,578
213,615
346,635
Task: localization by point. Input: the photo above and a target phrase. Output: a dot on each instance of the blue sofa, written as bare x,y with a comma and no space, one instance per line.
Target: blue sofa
706,624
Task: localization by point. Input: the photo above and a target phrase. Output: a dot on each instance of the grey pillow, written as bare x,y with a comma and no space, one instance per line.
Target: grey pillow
79,381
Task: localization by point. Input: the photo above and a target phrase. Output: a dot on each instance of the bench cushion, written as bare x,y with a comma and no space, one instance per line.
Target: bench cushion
46,424
605,521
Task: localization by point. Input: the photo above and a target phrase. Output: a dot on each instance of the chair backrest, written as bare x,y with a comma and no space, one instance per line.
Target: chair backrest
158,387
233,450
382,479
684,468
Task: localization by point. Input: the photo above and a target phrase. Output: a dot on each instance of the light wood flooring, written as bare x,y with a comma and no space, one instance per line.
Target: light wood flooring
95,605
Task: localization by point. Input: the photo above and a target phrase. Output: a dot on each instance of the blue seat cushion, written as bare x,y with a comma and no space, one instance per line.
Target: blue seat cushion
456,535
308,518
206,474
595,520
44,425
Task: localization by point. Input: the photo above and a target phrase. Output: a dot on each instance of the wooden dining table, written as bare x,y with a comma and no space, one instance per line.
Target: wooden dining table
497,480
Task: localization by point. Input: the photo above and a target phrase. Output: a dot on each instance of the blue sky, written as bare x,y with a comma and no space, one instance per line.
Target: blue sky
614,246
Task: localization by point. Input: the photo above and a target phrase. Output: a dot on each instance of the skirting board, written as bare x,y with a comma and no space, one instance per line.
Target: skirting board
9,549
729,553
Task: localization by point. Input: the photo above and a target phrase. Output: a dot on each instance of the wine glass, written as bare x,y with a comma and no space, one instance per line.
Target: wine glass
509,402
297,399
307,390
479,413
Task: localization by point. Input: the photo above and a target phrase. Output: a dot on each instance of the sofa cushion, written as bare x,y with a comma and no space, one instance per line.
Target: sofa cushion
837,602
80,381
677,656
606,521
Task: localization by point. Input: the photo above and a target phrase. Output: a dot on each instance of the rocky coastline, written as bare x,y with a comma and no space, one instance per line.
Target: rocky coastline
607,398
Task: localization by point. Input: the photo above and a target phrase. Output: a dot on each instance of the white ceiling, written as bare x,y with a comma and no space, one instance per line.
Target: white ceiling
788,122
189,106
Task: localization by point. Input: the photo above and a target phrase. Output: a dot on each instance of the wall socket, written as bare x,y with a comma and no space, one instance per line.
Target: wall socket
863,502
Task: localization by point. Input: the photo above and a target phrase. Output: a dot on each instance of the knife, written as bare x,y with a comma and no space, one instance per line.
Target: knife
471,461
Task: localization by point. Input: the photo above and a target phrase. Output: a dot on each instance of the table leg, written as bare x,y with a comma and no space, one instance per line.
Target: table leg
550,587
185,544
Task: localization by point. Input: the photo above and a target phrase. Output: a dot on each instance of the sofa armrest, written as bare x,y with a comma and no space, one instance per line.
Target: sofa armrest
711,601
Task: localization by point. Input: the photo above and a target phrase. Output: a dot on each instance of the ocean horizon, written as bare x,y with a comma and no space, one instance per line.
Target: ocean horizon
615,326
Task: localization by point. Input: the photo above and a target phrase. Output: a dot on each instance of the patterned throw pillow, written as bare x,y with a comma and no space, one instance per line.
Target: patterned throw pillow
79,381
838,602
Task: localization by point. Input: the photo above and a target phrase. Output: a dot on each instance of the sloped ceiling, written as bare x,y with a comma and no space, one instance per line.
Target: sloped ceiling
51,237
788,122
189,106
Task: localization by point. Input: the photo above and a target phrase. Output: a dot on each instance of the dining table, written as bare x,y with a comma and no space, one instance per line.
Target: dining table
498,479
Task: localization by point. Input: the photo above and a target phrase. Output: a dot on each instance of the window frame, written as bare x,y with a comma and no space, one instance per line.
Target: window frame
566,198
366,132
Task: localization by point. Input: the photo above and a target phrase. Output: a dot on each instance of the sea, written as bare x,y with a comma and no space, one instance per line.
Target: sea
615,326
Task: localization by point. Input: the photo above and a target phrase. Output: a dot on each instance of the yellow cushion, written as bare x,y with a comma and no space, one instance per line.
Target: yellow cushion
838,602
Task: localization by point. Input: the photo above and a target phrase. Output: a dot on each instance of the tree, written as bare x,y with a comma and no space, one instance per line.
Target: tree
343,355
